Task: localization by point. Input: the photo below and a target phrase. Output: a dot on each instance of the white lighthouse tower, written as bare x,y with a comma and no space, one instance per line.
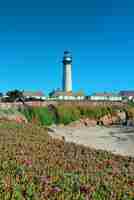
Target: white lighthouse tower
67,72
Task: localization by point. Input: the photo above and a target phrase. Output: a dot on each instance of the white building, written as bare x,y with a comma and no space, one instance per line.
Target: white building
60,95
128,95
34,95
105,97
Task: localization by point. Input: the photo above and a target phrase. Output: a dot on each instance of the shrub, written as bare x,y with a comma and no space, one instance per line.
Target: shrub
86,111
45,116
39,114
94,112
67,114
27,112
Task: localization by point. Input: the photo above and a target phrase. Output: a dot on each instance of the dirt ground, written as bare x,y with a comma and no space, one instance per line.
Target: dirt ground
118,140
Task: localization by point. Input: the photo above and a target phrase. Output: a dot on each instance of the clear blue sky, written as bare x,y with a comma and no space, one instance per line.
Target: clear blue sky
34,34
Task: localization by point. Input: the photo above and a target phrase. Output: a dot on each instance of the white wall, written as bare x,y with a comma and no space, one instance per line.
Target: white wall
106,98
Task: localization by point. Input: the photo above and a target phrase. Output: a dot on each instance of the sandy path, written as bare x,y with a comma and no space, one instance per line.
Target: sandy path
116,140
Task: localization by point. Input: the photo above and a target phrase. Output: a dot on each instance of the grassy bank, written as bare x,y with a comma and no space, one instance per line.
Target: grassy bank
34,166
65,113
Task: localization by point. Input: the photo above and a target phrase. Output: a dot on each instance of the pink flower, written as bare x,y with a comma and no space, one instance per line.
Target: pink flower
28,162
84,189
45,179
56,189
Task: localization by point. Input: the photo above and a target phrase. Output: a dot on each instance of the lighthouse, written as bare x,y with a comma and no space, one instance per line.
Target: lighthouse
67,72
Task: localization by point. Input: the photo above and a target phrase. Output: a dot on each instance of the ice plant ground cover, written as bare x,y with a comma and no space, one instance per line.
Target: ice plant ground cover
34,166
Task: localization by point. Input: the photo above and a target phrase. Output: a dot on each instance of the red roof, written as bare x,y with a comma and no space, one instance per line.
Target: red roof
127,93
36,93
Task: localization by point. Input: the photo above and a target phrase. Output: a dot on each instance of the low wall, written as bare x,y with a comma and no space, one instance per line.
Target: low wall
95,103
46,103
32,103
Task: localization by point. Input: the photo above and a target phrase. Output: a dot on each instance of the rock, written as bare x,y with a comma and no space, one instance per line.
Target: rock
110,120
90,122
106,120
115,120
76,124
130,122
52,130
83,122
122,116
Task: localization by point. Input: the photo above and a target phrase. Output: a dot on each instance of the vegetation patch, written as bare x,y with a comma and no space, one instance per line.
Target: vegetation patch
68,114
34,166
39,115
65,113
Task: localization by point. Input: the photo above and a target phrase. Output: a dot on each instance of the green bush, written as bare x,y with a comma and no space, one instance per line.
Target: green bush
39,114
86,111
45,116
67,114
95,112
28,113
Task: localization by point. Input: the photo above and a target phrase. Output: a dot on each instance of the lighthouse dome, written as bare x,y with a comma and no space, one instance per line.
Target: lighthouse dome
67,57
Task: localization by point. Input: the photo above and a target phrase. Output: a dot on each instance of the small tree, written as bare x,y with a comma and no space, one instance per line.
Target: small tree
14,95
51,93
